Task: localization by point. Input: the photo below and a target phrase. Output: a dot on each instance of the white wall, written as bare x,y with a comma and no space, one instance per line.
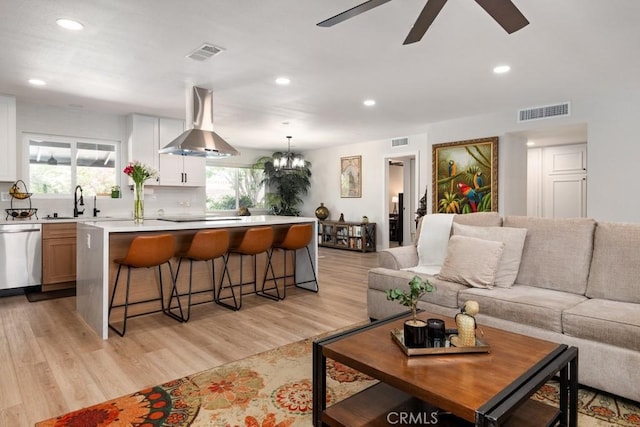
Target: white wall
613,154
613,144
49,120
325,181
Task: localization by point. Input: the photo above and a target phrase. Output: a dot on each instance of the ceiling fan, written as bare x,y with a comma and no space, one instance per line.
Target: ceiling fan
503,11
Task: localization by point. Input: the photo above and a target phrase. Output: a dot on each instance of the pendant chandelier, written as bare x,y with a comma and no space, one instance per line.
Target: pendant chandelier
288,161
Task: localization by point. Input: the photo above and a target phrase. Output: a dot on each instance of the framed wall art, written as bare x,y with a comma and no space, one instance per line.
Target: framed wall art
351,176
465,176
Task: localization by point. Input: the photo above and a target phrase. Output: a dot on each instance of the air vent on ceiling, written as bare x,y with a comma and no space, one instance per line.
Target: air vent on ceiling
205,51
544,112
399,142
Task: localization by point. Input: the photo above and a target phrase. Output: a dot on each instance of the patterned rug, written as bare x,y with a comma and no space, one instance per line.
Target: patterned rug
273,389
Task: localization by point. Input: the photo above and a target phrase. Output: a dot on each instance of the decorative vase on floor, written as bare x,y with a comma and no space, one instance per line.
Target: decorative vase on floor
138,203
322,212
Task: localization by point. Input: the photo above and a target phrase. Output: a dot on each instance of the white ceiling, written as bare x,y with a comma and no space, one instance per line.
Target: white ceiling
131,58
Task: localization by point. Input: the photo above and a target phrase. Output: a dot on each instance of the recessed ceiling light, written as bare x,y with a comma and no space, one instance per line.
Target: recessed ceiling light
501,69
283,81
69,24
530,143
369,102
37,82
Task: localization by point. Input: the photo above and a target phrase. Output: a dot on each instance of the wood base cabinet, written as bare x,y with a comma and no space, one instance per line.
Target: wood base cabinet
58,256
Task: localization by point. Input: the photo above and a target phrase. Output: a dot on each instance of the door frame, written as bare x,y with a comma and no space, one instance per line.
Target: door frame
410,191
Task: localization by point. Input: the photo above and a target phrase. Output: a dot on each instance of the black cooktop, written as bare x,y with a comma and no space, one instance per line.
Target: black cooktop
199,218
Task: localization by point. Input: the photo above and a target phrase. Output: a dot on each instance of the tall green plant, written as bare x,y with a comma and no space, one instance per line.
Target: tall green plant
284,188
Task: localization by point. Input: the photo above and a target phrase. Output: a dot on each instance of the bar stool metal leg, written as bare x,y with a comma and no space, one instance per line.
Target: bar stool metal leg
263,292
167,310
237,302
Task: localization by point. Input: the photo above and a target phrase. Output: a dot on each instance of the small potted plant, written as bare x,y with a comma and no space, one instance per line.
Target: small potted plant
115,192
415,330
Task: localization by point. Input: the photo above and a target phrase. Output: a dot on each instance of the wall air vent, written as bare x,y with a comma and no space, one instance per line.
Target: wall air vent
544,112
204,52
399,142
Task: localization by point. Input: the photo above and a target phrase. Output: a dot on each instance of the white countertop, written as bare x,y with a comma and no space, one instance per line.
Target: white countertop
127,226
44,220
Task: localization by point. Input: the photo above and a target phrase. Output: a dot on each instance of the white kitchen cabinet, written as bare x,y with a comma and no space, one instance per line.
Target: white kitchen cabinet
185,171
143,141
147,135
8,138
176,170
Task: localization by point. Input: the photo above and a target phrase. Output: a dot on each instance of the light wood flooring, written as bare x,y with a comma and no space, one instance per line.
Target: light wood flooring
52,363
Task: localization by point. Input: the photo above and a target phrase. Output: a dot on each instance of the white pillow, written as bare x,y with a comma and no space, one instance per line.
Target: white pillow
471,261
513,238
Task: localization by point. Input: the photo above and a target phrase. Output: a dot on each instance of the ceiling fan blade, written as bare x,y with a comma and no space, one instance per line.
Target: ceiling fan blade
505,13
354,11
424,21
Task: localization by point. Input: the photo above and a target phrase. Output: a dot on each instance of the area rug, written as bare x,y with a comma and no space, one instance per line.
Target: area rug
274,389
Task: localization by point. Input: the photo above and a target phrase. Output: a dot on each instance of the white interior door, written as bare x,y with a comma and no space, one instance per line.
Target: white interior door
564,181
566,196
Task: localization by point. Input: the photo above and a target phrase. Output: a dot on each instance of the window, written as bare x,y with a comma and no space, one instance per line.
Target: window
229,188
58,164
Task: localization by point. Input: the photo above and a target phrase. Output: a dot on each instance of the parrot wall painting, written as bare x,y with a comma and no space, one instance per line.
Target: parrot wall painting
465,176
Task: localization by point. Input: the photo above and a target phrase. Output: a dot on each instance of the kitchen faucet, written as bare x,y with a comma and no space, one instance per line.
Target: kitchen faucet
77,202
95,206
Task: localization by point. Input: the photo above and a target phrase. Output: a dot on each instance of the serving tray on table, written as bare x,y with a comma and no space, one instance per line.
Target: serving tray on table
398,336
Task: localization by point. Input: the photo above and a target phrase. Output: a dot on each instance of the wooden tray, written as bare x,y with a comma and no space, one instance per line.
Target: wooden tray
398,337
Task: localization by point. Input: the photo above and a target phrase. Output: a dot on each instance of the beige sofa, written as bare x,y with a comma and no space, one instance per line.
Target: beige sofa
578,283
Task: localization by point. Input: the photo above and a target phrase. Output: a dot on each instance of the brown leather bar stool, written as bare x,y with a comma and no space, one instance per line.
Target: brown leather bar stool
207,245
298,237
145,252
255,241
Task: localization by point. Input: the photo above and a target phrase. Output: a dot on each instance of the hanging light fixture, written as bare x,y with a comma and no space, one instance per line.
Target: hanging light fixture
288,161
52,160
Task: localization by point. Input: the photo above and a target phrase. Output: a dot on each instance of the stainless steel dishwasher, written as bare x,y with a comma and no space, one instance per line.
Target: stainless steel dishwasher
20,255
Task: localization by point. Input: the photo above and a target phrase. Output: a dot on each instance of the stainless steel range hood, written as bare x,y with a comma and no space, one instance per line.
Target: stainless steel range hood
200,140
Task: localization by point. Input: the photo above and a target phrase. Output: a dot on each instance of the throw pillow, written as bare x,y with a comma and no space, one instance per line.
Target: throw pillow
471,261
513,239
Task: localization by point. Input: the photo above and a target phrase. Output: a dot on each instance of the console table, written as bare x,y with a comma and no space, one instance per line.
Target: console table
354,236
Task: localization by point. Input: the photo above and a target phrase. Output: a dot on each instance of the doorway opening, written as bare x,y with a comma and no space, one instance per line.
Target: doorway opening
400,199
557,172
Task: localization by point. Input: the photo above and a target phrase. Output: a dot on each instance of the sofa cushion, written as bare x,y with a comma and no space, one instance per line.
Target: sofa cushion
471,261
528,305
609,322
557,252
513,239
445,294
615,267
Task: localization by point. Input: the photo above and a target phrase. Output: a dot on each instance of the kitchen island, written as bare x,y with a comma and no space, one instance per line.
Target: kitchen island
100,242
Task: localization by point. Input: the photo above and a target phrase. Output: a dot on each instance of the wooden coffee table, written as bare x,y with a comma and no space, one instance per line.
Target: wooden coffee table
482,389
